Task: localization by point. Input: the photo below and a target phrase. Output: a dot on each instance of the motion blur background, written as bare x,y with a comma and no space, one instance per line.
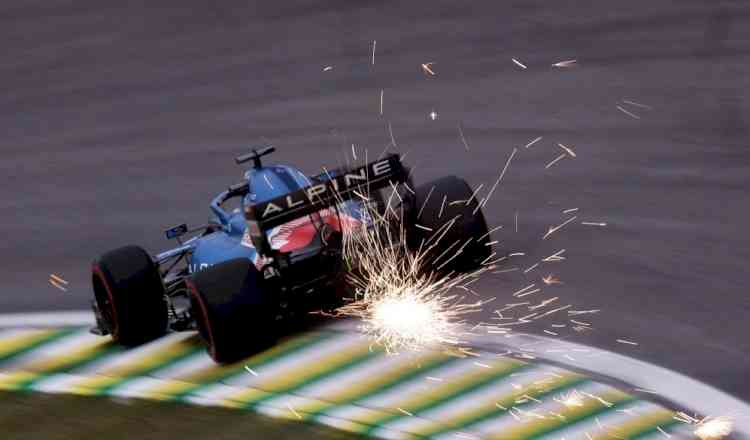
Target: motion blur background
120,119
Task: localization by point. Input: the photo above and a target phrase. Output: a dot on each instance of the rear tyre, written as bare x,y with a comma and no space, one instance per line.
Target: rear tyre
234,314
130,295
432,207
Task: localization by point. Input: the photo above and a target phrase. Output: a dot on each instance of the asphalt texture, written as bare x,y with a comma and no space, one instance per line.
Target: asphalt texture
120,119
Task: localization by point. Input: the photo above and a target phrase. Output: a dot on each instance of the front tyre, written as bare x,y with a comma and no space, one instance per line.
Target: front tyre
235,315
130,295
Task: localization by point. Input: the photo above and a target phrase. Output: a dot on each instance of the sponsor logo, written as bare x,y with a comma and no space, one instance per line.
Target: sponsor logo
325,191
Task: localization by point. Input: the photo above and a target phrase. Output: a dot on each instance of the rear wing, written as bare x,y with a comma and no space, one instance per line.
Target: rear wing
342,186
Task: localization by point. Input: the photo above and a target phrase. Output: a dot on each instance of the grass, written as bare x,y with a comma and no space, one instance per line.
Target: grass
34,416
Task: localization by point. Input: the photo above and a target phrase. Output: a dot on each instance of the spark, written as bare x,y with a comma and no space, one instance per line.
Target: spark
534,266
685,418
550,279
550,332
373,51
552,230
435,379
393,139
557,256
625,341
427,68
530,292
533,142
424,228
519,64
489,232
327,68
554,161
381,101
566,63
574,399
544,303
665,433
58,282
568,211
530,286
463,138
405,412
632,115
57,285
637,104
512,269
479,364
518,419
293,411
516,220
399,303
567,150
517,254
714,428
58,279
354,152
492,190
433,115
585,324
559,309
594,223
501,407
527,398
583,312
474,194
442,207
251,371
601,400
643,390
599,423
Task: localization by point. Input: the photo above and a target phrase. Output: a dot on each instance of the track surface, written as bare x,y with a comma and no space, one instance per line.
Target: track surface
120,119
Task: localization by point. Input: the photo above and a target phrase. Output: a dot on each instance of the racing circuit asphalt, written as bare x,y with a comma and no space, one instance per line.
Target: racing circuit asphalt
119,119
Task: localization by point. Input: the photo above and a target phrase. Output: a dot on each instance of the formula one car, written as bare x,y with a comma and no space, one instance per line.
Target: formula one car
249,270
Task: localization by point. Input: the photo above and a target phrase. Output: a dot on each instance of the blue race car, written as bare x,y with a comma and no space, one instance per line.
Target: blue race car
279,255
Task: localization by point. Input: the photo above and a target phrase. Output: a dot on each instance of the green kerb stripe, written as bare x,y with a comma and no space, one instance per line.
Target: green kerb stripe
560,387
457,393
143,373
291,346
397,381
586,416
52,337
355,361
654,429
110,348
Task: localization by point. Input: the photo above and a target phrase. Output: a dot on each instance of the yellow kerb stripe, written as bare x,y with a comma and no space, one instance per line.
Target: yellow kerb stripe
89,385
635,425
401,366
441,390
291,378
12,344
488,404
87,350
529,425
14,380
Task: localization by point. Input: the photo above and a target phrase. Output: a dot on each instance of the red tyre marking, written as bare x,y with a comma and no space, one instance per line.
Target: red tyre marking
113,310
207,323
